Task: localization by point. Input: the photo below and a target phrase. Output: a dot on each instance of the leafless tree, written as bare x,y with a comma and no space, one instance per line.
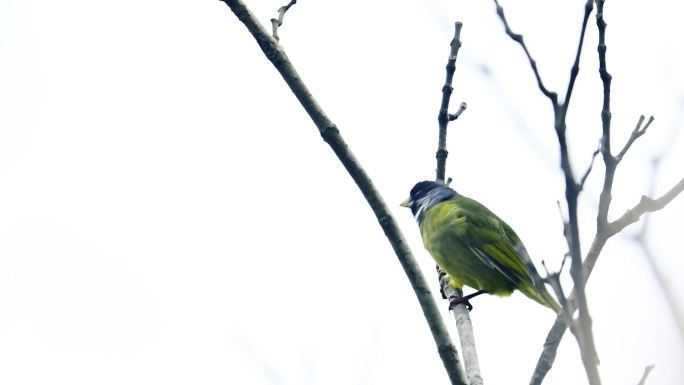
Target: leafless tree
581,264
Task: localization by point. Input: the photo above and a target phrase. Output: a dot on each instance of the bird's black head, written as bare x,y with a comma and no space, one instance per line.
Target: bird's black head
426,194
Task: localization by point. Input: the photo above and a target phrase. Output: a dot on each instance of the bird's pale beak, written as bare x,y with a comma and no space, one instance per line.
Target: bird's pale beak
406,203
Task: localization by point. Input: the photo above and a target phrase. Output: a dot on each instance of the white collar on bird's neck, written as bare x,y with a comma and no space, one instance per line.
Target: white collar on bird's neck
430,199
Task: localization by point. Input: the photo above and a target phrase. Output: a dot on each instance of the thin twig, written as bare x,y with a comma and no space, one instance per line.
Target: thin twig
588,7
447,89
580,186
567,308
276,23
458,112
608,158
584,323
554,280
645,205
519,39
566,227
636,134
327,129
647,371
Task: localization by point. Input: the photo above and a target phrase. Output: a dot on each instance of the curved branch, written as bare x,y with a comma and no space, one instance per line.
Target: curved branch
518,38
331,135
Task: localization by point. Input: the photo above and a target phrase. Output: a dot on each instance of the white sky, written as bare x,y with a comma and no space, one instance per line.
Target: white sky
169,214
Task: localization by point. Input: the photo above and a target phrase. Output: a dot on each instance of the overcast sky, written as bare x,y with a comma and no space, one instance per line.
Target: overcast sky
170,215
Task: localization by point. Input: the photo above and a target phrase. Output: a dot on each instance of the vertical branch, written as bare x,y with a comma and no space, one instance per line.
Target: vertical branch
331,135
608,159
468,347
465,331
443,116
461,314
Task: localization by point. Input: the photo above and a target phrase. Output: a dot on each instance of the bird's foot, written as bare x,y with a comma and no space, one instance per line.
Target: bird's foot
454,300
440,275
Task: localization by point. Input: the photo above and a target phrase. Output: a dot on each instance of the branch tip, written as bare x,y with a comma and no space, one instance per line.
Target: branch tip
638,131
443,116
645,205
647,371
518,38
276,23
580,186
458,112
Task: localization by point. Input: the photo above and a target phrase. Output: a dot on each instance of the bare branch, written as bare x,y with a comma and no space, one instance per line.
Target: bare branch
608,159
276,23
461,314
583,333
548,355
559,326
588,7
458,112
647,371
585,338
636,134
327,129
580,186
518,38
566,226
554,280
465,330
443,117
571,230
645,205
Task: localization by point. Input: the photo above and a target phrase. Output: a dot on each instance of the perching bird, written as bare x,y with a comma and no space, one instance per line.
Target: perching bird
472,245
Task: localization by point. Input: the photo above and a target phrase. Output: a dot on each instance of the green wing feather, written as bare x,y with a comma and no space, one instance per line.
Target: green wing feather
488,236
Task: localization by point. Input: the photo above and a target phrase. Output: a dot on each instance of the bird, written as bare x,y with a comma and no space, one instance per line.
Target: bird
473,246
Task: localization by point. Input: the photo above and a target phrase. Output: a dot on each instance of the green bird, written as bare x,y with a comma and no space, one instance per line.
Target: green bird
473,246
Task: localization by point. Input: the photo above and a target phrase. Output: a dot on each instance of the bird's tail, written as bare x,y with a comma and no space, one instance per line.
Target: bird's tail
542,296
549,301
536,290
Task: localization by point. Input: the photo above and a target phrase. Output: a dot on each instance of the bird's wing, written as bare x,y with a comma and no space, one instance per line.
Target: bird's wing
493,241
